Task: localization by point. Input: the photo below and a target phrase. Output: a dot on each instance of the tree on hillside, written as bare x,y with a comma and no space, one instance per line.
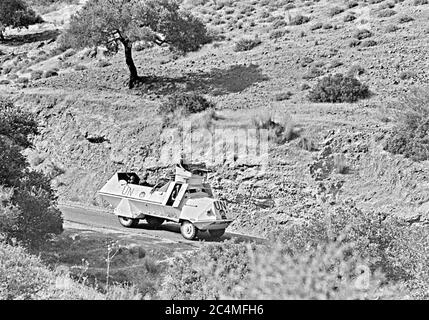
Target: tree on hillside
114,22
27,201
16,14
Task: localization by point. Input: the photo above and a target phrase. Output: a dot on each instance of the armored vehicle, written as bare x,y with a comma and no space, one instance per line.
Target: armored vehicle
185,198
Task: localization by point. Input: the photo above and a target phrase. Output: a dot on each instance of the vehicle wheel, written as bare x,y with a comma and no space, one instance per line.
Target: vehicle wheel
154,221
128,222
217,233
188,230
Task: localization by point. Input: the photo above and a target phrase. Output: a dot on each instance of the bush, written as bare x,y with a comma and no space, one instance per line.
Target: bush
246,44
281,96
209,273
335,10
368,43
182,105
385,244
386,13
27,212
16,14
298,20
22,275
362,34
420,2
186,104
281,129
80,67
410,137
338,88
340,252
405,19
349,17
103,63
36,75
317,25
50,73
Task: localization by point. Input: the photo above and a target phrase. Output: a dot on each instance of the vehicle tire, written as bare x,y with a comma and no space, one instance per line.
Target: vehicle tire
128,222
217,233
154,221
188,230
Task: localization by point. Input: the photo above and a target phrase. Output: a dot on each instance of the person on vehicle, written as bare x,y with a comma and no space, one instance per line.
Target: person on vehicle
143,181
175,192
132,180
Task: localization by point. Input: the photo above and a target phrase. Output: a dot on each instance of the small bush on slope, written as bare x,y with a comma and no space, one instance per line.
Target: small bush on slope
338,88
410,137
182,105
208,273
246,44
22,276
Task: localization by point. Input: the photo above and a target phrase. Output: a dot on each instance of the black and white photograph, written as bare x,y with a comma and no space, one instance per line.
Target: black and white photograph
206,157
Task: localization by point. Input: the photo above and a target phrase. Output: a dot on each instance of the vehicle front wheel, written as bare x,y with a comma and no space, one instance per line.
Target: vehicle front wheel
188,230
154,221
128,222
217,233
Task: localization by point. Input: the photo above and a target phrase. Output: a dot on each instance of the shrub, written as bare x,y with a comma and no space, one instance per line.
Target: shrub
22,80
386,13
276,34
368,43
50,73
182,105
246,44
338,88
298,20
420,2
410,136
283,96
407,75
352,4
329,271
317,25
314,72
22,275
362,34
405,19
335,10
27,212
392,28
209,273
16,14
356,70
69,53
80,67
387,244
281,129
36,75
349,17
103,63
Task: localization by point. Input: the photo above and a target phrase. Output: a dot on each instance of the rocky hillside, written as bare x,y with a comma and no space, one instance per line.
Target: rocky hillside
93,126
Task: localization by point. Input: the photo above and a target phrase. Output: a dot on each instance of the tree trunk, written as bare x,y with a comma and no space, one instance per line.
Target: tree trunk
130,63
1,36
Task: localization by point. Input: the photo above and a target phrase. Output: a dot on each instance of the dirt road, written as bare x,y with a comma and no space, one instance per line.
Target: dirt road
82,218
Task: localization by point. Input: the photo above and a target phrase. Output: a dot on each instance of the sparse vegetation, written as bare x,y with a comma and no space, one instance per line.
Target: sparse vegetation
246,44
338,88
410,135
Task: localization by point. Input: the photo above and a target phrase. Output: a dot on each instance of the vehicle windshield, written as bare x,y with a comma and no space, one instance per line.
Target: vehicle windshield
162,188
